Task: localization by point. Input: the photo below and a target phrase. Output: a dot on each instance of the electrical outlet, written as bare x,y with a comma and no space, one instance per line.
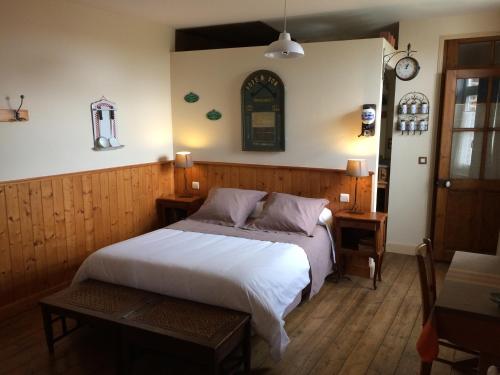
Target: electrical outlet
344,198
195,185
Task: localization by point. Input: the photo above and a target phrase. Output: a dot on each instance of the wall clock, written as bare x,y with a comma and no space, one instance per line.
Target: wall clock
407,68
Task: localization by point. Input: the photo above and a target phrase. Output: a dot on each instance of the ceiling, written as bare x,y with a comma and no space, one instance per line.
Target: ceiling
308,19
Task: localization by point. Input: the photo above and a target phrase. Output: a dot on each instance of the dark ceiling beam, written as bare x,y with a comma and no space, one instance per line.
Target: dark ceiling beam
247,34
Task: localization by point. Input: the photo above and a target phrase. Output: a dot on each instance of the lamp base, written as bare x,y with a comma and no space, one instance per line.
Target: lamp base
185,193
355,210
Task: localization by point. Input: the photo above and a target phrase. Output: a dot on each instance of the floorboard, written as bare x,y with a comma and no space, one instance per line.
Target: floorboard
348,328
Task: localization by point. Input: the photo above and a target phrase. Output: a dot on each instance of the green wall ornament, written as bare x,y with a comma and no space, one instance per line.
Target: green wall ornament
191,97
214,115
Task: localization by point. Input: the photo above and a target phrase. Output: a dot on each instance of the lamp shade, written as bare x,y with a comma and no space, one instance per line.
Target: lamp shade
183,159
284,48
357,168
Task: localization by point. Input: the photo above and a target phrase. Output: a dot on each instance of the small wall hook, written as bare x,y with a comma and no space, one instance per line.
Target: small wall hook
17,112
14,115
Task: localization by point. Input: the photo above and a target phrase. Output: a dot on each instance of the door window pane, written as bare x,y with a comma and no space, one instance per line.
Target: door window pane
466,154
470,102
492,167
474,54
497,52
495,104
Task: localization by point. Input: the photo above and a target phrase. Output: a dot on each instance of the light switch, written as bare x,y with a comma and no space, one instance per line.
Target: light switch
195,185
422,160
344,198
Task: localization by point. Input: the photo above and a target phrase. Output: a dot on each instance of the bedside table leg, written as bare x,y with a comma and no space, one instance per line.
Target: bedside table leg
247,349
340,269
163,216
377,257
381,260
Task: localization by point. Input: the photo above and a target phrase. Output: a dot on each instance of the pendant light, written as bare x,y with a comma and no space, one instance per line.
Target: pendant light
284,47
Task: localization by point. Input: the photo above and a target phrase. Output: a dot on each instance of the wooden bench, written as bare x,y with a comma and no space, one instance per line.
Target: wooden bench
196,332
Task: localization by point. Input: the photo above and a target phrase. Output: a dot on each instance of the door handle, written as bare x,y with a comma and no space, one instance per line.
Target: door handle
443,183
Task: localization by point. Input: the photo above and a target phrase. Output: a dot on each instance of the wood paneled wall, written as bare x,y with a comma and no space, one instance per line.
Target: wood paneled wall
49,225
307,182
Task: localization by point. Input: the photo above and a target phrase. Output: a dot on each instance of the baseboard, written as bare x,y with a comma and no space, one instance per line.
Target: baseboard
27,303
400,248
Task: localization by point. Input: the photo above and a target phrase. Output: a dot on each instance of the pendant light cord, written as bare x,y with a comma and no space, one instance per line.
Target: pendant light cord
284,16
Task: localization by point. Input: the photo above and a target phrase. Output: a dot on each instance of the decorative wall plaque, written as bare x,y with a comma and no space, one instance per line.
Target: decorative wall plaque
191,97
263,112
104,125
214,115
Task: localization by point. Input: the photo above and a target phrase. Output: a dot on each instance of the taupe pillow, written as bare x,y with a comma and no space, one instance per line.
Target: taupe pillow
226,206
289,213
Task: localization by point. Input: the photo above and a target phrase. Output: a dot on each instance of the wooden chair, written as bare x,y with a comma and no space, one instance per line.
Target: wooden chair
427,275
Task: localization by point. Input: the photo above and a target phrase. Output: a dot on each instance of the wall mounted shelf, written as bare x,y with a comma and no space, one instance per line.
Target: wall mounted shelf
413,113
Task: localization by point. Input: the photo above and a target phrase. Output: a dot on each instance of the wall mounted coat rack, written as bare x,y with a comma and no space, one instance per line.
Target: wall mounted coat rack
14,115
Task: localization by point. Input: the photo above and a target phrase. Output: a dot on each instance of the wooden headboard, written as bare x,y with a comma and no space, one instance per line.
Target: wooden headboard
306,182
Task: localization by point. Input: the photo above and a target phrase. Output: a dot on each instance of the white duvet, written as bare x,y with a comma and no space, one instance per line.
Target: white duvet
258,277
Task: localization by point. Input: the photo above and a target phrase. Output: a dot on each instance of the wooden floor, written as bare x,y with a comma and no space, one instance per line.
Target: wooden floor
348,328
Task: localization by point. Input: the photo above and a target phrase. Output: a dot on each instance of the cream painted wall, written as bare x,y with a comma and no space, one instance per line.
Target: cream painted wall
324,94
62,57
411,185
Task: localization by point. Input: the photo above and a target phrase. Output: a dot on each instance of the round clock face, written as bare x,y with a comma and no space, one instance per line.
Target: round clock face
407,68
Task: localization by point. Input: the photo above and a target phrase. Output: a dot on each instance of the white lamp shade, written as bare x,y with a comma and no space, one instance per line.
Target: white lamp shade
183,159
284,48
357,168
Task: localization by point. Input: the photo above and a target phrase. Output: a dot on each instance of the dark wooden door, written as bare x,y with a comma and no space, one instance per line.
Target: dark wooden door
467,209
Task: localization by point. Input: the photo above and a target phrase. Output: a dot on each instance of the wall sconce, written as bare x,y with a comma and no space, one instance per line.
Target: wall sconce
368,116
9,115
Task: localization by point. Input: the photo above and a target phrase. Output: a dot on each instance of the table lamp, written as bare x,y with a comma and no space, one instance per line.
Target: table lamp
184,160
356,168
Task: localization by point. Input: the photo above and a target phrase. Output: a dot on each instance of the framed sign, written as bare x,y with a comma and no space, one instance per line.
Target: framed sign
263,112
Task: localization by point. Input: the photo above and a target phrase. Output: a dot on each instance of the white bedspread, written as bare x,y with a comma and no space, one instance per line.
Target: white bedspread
258,277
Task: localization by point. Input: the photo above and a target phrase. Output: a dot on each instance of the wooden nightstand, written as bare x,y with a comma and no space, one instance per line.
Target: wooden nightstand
360,236
172,208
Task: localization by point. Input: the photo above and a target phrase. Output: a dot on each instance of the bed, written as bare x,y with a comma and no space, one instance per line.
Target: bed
264,273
